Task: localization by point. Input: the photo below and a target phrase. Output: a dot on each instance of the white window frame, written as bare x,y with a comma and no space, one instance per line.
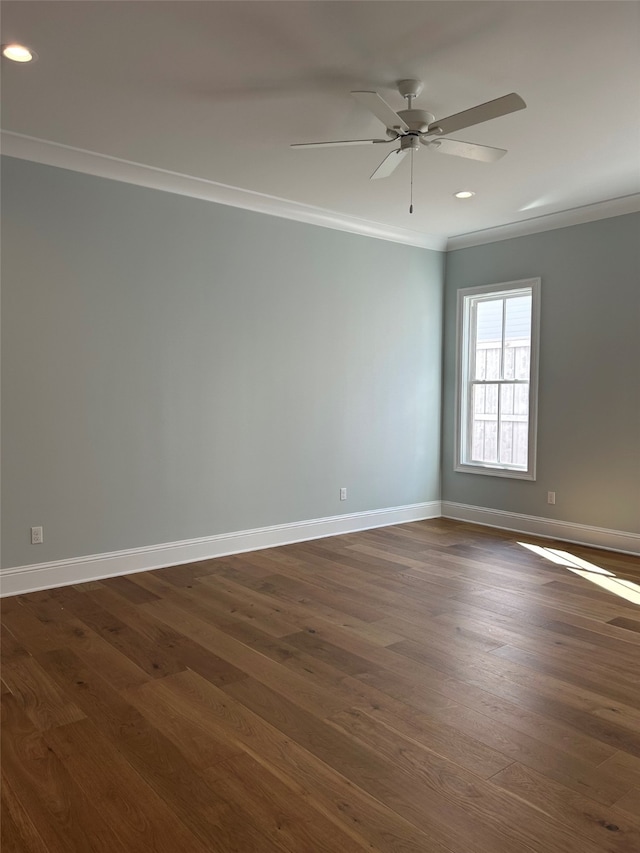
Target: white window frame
463,380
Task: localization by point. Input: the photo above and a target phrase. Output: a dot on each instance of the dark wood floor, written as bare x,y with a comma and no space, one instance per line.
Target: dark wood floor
428,688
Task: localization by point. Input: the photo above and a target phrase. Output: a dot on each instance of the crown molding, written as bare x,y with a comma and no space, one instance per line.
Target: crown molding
50,153
548,222
104,166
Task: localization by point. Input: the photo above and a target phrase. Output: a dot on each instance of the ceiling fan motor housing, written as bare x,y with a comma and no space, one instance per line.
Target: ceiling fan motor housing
418,120
410,141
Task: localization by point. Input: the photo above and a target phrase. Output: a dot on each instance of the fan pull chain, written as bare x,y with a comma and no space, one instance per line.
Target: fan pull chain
411,194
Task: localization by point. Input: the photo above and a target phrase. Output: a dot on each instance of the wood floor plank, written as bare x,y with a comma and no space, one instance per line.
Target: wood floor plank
341,658
607,826
139,817
66,820
562,700
422,731
432,687
116,667
464,810
576,670
625,766
540,616
184,651
305,588
162,765
29,631
200,744
363,816
151,658
598,607
503,810
37,694
300,610
550,638
125,587
630,803
243,657
626,623
227,605
297,613
283,815
10,648
556,734
400,790
532,751
18,833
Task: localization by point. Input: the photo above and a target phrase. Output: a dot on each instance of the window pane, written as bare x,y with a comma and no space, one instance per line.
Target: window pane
506,440
521,399
484,426
518,318
493,363
491,399
514,425
489,320
507,399
509,360
517,337
520,443
522,358
488,339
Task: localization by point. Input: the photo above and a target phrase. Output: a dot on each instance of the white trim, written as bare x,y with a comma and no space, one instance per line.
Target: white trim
49,153
547,528
549,222
465,344
103,166
32,578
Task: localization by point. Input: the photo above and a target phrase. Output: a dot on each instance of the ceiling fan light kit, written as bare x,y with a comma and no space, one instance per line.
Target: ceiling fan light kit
413,128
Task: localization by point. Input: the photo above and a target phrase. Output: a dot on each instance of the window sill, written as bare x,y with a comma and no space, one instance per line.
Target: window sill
492,471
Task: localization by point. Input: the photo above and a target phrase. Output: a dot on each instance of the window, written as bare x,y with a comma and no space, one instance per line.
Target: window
498,379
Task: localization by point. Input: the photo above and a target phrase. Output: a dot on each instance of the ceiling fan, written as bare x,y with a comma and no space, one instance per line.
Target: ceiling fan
413,128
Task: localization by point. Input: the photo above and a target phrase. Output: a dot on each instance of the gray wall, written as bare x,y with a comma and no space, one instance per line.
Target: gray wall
589,391
173,368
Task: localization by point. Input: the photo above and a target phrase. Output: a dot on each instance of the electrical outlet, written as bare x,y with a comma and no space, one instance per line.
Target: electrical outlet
343,494
551,497
37,537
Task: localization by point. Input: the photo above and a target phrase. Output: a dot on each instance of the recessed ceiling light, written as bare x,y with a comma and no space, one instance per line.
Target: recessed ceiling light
18,53
464,194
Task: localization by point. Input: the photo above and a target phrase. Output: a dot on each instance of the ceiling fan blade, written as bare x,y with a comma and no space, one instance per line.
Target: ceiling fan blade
389,164
472,150
483,112
381,110
338,142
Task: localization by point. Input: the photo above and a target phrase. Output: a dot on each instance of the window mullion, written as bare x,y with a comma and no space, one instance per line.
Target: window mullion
501,374
472,368
504,321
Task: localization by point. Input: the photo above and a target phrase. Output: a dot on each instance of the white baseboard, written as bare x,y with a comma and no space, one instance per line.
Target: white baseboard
22,579
31,578
548,528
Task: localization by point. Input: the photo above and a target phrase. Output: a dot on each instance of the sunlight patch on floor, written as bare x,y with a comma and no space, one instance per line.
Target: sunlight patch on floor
564,558
589,571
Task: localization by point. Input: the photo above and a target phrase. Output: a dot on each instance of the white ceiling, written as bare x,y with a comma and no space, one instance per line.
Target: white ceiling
218,90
